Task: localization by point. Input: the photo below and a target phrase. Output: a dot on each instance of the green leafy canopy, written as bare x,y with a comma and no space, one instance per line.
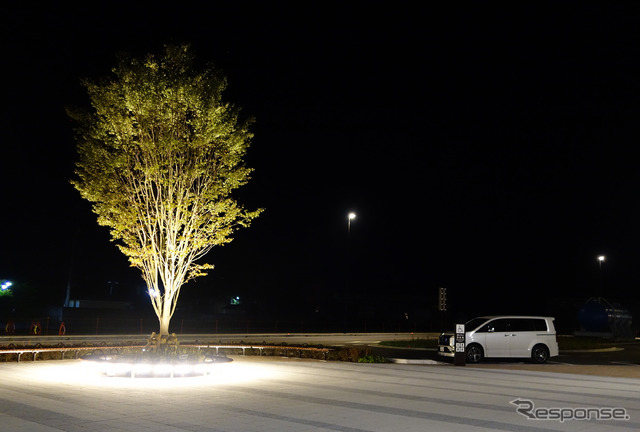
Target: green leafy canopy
160,153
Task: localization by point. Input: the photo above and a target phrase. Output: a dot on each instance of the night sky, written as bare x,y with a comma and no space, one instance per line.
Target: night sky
491,150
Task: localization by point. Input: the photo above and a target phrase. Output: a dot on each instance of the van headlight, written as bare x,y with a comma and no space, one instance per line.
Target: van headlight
446,340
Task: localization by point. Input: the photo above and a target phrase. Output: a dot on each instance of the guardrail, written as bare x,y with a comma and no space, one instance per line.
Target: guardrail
62,350
287,342
115,349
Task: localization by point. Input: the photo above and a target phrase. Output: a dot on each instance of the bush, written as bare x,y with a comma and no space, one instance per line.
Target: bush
355,354
370,358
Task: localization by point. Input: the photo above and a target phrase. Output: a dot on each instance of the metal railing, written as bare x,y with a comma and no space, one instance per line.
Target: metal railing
103,349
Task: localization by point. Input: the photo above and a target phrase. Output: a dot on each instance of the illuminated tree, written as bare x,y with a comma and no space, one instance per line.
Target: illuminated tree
160,153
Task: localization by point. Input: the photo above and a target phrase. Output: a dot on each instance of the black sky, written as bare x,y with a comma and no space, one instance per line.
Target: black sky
486,148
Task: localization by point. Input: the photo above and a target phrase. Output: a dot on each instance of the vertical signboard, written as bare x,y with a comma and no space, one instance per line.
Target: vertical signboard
442,299
460,355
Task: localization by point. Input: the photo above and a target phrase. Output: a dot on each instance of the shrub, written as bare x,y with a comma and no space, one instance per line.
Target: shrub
370,358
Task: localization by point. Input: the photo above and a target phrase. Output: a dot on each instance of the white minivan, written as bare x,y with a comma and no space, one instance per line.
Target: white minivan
505,336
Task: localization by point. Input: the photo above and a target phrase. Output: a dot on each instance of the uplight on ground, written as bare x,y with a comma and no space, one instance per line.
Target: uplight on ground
77,372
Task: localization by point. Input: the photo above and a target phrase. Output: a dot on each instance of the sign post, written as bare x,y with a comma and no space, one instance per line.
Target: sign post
460,355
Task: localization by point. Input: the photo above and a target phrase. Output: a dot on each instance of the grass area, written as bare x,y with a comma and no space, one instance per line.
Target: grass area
412,343
583,342
564,343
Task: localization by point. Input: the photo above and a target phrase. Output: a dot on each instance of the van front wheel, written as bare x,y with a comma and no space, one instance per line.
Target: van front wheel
474,353
540,354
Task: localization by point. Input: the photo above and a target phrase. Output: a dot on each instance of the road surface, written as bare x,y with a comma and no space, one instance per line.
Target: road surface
273,394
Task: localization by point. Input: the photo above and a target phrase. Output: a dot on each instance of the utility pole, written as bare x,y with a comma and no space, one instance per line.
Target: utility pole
442,305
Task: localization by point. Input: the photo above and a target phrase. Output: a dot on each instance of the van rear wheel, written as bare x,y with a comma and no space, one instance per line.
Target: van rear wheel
540,354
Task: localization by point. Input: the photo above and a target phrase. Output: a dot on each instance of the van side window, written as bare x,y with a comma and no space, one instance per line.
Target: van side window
485,328
539,325
497,325
521,324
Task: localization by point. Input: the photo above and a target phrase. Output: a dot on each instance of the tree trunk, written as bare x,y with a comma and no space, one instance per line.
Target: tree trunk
164,320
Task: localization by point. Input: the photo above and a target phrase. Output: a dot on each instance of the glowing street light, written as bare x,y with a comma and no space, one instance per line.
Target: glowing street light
5,288
601,259
351,215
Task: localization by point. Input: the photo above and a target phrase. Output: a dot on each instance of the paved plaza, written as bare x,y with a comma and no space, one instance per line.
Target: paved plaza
273,394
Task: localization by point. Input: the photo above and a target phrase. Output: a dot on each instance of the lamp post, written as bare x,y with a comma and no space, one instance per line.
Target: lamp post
601,259
351,215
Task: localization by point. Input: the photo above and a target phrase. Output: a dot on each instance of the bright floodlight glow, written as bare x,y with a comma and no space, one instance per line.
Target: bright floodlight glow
601,258
162,369
352,215
183,369
142,368
5,285
87,373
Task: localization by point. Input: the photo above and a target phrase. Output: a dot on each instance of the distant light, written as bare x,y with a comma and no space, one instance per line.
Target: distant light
601,258
5,285
352,216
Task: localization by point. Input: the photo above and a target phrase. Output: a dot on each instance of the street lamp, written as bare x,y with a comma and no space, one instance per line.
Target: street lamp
601,259
5,288
351,215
